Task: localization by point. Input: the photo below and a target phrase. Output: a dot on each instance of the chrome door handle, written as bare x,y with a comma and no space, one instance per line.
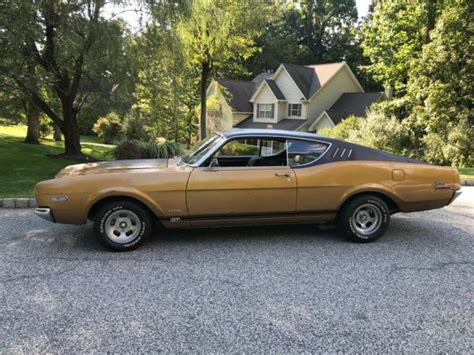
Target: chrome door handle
283,174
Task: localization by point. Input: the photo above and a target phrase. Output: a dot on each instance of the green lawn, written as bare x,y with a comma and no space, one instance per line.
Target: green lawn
466,173
23,165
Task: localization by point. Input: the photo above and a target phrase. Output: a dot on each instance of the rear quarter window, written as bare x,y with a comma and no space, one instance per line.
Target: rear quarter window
302,152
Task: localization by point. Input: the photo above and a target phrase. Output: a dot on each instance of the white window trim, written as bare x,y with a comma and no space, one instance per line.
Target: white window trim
263,119
289,110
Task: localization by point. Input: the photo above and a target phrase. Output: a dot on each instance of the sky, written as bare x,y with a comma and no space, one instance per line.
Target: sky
133,17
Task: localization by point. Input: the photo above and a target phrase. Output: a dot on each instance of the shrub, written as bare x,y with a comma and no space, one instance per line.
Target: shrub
45,126
150,150
135,126
342,129
128,150
108,128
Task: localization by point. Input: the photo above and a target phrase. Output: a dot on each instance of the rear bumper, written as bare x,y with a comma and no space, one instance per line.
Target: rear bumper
455,196
45,213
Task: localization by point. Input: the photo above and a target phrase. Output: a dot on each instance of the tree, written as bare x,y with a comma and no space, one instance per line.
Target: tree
216,33
440,87
392,35
56,37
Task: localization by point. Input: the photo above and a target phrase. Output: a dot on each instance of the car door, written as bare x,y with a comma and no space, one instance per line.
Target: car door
265,188
317,191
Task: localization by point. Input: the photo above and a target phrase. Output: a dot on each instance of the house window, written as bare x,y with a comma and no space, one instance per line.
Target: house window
294,110
265,110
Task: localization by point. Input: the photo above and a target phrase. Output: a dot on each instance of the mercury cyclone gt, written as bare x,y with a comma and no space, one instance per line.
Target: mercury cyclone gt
247,177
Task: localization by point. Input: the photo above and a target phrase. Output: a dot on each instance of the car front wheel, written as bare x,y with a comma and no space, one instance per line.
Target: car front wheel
122,225
364,219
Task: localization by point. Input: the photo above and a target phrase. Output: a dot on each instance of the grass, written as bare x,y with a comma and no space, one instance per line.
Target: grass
466,173
23,165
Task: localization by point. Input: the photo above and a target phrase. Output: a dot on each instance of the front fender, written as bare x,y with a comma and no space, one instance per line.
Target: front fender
122,192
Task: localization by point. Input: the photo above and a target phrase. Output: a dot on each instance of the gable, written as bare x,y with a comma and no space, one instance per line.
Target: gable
264,94
288,86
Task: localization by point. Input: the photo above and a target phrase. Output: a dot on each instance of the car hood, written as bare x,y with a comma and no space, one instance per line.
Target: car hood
119,166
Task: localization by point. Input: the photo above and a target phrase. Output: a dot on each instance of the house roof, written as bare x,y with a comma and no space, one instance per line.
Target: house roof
275,89
311,78
354,103
285,124
262,76
241,92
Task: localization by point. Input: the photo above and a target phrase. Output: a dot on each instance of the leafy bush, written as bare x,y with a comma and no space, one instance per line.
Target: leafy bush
150,150
128,150
135,126
343,129
45,126
108,128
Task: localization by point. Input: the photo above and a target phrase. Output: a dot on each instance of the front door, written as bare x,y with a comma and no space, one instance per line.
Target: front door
247,177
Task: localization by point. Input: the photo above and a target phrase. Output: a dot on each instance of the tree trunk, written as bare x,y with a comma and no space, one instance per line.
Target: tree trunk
205,69
56,133
32,133
72,144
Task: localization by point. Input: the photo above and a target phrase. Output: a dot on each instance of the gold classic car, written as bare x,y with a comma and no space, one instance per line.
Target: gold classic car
244,177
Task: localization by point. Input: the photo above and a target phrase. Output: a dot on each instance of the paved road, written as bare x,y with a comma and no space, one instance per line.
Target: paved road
283,289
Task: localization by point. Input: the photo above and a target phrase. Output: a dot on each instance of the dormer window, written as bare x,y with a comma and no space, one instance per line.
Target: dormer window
294,110
265,110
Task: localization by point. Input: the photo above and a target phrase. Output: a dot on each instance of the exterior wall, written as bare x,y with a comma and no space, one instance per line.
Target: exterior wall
324,122
282,110
265,96
333,89
291,92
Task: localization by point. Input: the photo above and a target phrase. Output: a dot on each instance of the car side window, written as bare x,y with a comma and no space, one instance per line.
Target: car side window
251,152
301,152
239,147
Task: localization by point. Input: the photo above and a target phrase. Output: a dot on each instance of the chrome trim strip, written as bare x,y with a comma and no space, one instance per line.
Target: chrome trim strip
45,213
335,152
349,155
343,152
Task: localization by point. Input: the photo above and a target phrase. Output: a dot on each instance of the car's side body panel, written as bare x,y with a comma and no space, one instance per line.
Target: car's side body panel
410,186
241,191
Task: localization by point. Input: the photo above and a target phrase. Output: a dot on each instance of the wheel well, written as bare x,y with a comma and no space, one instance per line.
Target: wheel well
98,204
392,205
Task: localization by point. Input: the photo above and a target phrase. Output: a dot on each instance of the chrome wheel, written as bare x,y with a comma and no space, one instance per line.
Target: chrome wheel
122,226
366,219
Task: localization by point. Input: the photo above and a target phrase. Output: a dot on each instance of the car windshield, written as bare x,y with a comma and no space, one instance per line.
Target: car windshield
201,148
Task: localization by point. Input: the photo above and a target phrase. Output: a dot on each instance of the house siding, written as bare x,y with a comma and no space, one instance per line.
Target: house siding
265,96
324,122
291,92
341,83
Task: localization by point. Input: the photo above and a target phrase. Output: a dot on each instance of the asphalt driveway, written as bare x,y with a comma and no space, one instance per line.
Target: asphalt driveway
283,289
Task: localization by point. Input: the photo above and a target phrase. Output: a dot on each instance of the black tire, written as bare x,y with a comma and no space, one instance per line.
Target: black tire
364,219
133,216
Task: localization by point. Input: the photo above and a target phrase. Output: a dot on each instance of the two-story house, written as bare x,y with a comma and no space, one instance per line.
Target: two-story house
294,97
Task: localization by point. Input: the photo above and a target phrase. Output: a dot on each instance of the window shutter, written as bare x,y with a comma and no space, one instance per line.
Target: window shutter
289,109
273,111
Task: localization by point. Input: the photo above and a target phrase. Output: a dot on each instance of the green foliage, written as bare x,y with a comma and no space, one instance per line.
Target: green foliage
108,128
136,126
392,35
45,126
440,88
343,129
134,149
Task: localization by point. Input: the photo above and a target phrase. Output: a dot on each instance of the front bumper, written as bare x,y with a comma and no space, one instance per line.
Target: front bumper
45,213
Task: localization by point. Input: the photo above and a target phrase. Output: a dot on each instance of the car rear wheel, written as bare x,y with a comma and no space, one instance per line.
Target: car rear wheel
364,219
122,225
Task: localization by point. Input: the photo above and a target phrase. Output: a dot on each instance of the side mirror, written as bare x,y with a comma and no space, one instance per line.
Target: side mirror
214,163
